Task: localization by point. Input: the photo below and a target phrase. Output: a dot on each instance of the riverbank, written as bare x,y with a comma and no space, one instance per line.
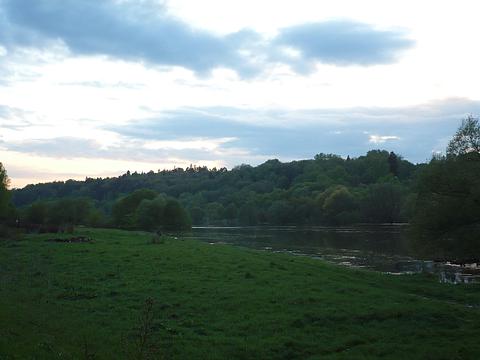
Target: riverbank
119,295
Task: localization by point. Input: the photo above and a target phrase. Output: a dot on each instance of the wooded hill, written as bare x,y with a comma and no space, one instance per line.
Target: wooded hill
375,188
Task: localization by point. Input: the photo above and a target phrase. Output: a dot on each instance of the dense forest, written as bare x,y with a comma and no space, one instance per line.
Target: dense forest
440,199
328,190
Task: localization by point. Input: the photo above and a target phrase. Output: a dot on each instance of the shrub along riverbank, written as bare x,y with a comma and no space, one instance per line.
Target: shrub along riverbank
122,295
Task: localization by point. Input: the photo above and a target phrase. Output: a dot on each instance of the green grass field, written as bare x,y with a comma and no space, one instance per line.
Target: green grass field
90,301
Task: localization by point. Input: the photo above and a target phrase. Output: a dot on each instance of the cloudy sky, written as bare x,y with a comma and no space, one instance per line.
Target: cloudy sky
98,87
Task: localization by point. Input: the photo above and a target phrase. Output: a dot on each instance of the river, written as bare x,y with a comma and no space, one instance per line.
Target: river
382,248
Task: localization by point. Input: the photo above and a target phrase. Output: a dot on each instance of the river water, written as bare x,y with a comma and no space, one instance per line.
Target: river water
382,248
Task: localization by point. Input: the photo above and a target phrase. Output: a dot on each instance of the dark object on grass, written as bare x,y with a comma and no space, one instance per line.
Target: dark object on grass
75,239
248,275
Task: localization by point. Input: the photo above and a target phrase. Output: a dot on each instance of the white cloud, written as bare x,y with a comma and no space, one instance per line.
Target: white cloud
191,144
380,139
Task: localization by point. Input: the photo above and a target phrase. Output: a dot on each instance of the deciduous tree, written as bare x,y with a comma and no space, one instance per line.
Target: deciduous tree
466,139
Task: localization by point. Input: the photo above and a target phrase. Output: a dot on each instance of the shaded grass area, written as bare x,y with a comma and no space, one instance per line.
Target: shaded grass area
91,301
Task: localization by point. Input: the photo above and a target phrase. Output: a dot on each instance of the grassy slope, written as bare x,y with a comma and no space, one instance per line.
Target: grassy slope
219,302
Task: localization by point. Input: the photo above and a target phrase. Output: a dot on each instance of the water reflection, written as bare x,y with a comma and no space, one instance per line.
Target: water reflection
381,247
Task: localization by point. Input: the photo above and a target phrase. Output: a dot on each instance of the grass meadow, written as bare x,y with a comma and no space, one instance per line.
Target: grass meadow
123,296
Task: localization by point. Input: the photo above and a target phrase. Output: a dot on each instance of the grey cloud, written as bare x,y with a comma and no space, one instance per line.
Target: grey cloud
132,31
418,130
188,124
130,149
143,31
13,118
63,147
256,141
339,43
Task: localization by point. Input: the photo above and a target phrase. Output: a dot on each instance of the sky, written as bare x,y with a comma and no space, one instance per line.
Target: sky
95,88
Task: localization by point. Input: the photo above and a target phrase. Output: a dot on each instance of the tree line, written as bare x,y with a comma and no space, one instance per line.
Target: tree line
327,190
